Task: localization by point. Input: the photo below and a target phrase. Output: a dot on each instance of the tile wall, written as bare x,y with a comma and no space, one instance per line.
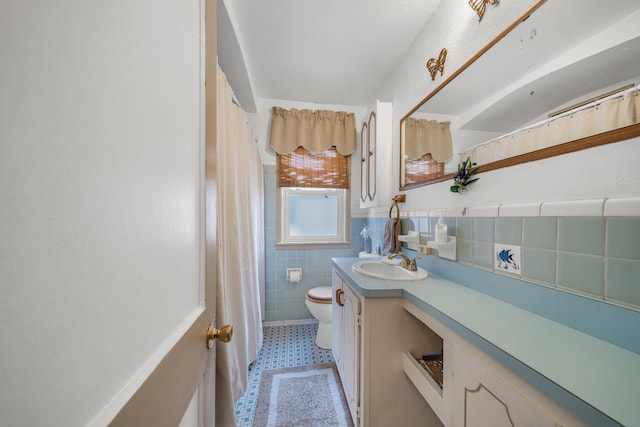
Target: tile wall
594,256
285,300
590,248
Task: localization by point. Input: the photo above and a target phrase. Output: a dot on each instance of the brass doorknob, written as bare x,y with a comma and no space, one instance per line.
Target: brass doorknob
223,334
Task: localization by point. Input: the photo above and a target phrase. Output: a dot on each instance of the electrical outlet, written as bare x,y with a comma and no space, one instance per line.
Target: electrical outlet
507,258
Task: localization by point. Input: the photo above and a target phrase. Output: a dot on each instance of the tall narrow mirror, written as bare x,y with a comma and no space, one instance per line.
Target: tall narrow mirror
364,156
372,157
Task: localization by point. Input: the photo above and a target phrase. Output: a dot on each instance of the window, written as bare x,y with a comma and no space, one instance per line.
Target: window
313,199
313,216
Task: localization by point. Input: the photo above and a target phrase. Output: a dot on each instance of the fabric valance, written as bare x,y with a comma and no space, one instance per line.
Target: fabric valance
427,137
317,131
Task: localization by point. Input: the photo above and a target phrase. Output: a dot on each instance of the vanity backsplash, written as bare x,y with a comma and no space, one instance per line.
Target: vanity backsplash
594,256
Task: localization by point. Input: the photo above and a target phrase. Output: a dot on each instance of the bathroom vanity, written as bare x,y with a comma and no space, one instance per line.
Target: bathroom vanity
434,352
367,345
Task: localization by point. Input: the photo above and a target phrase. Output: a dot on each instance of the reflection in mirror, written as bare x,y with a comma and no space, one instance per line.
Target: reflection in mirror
426,147
532,68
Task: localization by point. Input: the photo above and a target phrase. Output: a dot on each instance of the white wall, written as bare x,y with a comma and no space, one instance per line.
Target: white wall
603,172
100,172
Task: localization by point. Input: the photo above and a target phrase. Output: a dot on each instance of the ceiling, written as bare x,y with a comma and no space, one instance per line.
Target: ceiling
327,52
341,52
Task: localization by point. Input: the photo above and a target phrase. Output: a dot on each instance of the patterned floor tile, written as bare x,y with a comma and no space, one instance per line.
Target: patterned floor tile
283,346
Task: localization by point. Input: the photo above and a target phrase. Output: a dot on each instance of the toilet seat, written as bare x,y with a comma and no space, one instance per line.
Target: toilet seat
320,295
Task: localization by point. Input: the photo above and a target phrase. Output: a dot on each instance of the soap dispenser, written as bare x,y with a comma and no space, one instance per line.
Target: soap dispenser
441,231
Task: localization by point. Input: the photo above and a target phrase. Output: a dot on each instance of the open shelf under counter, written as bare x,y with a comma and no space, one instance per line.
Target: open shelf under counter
430,390
433,378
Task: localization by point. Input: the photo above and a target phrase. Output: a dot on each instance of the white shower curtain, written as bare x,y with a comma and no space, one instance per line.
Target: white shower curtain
240,253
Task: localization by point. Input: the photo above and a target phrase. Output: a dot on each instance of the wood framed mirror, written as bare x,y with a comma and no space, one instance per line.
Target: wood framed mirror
557,54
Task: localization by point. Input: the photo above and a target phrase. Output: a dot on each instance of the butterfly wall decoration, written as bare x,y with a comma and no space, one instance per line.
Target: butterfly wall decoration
434,65
480,6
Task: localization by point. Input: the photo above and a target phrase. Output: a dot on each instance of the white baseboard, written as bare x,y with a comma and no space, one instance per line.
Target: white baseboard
289,322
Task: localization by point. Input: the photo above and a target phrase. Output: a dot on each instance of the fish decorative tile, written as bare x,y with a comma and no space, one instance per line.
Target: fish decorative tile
507,258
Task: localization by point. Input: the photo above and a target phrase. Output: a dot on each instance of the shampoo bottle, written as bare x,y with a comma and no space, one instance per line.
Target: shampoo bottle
441,231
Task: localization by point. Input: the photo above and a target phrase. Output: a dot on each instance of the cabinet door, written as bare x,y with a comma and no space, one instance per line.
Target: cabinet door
376,155
337,322
486,400
351,350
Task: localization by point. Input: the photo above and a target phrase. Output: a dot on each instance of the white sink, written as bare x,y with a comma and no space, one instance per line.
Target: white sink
383,270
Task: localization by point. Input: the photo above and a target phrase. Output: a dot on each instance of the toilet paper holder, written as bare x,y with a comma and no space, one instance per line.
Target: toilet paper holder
294,274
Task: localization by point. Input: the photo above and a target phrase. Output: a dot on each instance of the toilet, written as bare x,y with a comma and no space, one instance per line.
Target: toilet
319,304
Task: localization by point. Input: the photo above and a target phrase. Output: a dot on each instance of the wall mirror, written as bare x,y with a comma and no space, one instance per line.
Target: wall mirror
534,67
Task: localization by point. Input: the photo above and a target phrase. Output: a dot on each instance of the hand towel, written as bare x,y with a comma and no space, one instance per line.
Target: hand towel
391,243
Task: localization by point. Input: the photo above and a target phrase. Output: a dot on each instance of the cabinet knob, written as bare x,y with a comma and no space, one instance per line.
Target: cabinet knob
339,293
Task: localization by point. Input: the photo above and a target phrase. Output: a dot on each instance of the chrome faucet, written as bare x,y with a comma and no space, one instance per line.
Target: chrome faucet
409,264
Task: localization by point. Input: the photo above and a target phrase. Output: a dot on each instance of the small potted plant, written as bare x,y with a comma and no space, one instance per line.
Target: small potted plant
463,177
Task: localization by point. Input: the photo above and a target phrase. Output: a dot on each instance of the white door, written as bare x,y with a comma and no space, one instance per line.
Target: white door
189,367
107,253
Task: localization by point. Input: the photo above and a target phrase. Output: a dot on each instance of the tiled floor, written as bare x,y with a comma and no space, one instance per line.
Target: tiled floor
283,346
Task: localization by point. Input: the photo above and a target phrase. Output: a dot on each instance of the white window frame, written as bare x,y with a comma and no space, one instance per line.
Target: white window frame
284,240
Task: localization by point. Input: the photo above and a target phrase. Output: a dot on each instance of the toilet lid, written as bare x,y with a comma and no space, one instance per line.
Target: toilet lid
321,294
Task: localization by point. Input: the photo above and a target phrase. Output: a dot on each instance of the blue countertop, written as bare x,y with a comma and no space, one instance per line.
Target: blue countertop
597,380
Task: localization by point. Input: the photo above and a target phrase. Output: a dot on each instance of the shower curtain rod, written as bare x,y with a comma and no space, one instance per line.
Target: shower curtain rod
593,103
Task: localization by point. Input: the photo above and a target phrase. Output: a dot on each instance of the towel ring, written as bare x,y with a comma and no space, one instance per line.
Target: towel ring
395,205
400,198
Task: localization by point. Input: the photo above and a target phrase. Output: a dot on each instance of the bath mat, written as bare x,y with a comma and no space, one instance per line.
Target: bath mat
302,396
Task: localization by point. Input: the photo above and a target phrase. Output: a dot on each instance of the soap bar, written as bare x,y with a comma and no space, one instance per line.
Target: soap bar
424,249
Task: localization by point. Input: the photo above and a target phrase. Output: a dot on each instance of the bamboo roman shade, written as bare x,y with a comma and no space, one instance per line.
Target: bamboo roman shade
422,169
317,131
304,168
